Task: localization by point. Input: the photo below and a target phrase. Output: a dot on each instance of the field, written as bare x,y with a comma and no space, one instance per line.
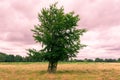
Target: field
66,71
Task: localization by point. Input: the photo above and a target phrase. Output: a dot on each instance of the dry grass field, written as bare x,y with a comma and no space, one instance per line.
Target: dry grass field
66,71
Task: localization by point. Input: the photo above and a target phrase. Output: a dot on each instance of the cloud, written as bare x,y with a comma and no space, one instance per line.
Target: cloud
98,13
102,43
100,17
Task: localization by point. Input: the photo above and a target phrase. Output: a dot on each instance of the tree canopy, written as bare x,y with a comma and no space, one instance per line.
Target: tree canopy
58,34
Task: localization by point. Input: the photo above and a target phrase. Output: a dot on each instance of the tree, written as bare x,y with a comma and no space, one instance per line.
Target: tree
18,58
2,57
118,60
58,34
110,60
35,56
89,60
10,58
99,60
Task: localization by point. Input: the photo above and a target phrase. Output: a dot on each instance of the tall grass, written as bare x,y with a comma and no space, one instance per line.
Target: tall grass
65,71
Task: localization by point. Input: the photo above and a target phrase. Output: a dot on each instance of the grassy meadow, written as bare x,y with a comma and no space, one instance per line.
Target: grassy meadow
65,71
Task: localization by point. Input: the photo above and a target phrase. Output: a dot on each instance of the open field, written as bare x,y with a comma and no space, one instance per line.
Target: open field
66,71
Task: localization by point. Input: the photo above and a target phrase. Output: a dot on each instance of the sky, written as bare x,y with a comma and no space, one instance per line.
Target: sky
100,17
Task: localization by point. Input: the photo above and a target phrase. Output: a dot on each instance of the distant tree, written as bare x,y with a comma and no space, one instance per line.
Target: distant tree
99,60
18,58
27,59
10,58
2,57
118,60
110,60
89,60
35,56
58,34
79,60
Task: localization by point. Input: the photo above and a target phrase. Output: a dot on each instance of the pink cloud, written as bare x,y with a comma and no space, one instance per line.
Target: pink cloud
100,17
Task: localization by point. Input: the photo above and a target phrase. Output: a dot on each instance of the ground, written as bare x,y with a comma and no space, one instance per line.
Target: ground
66,71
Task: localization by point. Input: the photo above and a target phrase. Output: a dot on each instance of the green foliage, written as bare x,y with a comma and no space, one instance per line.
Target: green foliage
2,57
35,56
118,60
58,34
99,60
18,58
10,58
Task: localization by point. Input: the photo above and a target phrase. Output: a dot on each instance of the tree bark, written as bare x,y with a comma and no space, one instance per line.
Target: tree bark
52,67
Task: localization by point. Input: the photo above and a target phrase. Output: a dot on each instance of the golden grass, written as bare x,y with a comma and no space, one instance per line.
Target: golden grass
66,71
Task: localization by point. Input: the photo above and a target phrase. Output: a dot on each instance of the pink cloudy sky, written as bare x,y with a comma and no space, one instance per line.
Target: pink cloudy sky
100,17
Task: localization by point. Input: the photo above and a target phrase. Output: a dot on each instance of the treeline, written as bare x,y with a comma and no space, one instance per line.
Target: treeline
97,60
17,58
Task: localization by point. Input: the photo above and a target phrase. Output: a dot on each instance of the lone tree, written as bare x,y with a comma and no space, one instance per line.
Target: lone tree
58,35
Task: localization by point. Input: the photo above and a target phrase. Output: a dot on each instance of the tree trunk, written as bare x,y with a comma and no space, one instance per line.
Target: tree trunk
52,67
